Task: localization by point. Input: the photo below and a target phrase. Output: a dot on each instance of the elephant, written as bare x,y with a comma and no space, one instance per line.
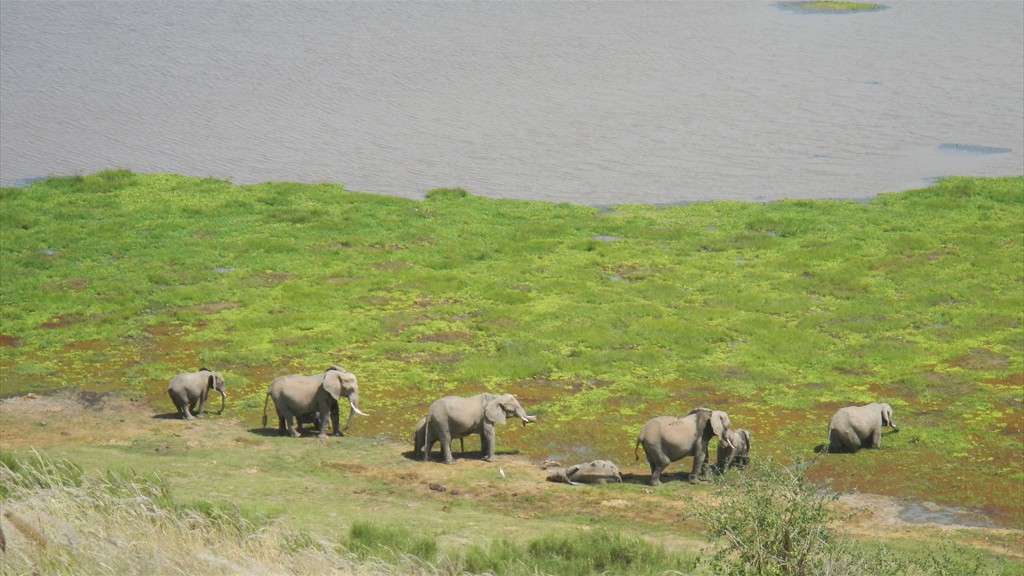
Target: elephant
669,438
314,417
736,450
190,387
856,427
296,395
456,417
593,472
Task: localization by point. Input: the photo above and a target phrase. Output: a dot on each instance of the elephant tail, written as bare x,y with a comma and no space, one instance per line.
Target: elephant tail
265,409
639,439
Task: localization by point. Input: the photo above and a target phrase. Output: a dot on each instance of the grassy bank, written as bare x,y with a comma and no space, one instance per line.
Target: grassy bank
597,320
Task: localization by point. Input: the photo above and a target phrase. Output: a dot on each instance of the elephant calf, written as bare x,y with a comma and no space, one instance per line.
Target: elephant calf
593,472
737,449
856,427
190,387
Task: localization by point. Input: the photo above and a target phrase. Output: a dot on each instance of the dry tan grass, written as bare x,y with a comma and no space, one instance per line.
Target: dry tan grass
123,526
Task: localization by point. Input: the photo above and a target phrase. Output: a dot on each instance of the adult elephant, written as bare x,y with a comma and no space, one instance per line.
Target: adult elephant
190,387
296,395
856,427
456,417
669,438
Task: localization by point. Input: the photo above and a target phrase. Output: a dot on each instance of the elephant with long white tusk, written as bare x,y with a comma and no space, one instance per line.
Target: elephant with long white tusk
190,387
296,395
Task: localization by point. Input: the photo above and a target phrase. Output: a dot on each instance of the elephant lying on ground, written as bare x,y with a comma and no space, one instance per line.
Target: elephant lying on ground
593,472
736,449
856,427
668,438
190,387
456,417
296,395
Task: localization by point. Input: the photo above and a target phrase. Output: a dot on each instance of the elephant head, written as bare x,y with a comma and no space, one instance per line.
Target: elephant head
338,384
497,409
887,417
216,382
716,420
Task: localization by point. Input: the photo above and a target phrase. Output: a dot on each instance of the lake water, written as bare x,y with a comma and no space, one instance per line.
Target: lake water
584,102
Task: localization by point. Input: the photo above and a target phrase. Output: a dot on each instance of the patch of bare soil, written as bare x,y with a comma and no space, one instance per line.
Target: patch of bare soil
86,418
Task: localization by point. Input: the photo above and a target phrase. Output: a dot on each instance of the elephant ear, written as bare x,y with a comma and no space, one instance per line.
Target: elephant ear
494,411
719,422
332,384
211,382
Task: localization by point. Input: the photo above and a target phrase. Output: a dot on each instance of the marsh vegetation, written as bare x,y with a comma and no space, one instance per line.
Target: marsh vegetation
595,319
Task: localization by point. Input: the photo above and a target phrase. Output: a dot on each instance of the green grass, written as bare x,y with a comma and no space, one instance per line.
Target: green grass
597,320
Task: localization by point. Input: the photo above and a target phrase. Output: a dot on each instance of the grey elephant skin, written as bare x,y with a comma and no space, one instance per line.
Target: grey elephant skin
667,439
593,472
419,436
295,396
856,427
456,417
190,387
736,449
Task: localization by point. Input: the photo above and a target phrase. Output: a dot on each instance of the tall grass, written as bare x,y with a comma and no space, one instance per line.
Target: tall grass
58,522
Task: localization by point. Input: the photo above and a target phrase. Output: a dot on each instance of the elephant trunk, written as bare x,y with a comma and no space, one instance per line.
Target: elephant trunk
224,401
526,418
353,408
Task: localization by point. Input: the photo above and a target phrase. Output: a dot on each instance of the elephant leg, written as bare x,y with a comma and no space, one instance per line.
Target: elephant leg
281,429
290,421
699,459
487,444
876,438
658,463
446,449
321,421
202,403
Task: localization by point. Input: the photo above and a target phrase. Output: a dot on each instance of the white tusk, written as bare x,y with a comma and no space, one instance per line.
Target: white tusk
358,411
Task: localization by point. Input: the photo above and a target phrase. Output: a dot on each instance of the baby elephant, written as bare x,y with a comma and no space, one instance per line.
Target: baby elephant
736,450
593,472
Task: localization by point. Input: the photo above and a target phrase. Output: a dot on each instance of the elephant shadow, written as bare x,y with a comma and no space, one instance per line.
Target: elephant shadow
177,416
167,416
821,449
645,479
266,432
435,455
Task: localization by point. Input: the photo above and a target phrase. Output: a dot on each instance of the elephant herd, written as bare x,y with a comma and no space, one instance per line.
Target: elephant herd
314,400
